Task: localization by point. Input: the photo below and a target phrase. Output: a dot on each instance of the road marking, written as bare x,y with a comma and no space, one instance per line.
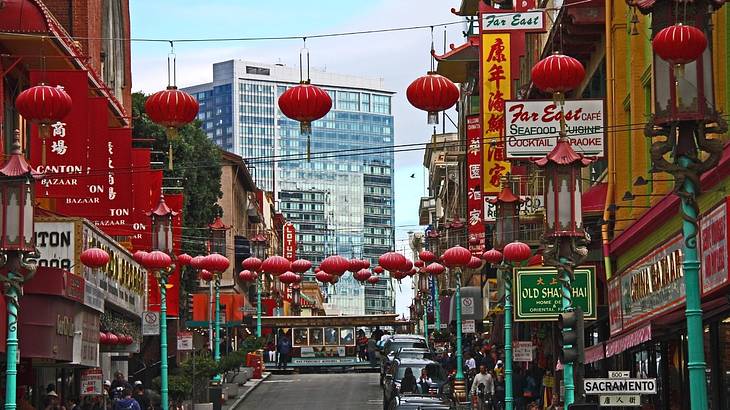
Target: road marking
281,381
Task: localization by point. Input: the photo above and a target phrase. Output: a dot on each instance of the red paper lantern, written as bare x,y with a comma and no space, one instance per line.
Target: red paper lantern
373,280
335,265
206,275
253,264
156,260
43,105
517,251
419,264
216,262
535,260
558,73
323,276
411,272
427,256
247,275
197,262
184,259
492,256
139,256
128,340
301,265
435,269
288,277
473,240
103,338
275,265
474,263
679,44
378,270
362,275
298,279
398,275
334,279
94,258
456,257
112,339
355,265
392,261
171,108
365,264
432,93
305,103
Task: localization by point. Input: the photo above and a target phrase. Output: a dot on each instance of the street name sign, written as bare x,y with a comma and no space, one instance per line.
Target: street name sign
538,295
619,386
620,400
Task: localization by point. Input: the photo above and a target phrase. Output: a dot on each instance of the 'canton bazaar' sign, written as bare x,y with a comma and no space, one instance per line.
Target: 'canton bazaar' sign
525,21
538,295
496,88
531,127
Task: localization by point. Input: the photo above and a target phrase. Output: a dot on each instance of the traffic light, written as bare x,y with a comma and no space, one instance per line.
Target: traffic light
571,336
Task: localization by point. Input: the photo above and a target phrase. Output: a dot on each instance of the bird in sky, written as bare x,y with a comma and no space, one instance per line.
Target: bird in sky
413,175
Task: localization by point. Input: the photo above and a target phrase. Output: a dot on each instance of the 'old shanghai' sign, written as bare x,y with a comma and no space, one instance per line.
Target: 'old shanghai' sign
538,295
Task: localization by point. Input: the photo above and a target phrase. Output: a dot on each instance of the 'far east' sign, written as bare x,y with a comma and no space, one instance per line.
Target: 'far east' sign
538,295
524,21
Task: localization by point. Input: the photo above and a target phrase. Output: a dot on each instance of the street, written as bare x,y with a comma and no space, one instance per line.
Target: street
316,391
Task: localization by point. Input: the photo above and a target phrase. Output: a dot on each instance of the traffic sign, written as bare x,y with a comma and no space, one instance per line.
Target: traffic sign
619,386
248,309
150,323
618,374
184,341
620,400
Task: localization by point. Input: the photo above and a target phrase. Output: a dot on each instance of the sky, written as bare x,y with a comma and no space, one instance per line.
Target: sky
397,57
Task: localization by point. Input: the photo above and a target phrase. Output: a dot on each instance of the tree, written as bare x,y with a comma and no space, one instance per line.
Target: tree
197,166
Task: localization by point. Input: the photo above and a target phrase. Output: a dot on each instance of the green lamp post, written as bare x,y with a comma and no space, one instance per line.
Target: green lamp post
18,255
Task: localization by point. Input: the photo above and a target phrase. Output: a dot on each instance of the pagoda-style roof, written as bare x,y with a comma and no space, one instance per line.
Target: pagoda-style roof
162,209
218,224
457,63
505,196
563,154
16,164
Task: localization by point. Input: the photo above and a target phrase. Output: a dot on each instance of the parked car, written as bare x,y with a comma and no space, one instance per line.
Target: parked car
390,347
419,402
393,379
414,353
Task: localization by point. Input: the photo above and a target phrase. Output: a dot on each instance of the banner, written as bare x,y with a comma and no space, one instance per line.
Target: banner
475,209
290,242
496,88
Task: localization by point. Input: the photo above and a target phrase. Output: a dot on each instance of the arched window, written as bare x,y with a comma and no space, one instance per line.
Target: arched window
112,47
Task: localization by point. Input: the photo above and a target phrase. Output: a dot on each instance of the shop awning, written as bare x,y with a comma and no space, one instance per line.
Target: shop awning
594,199
22,16
594,353
618,344
456,63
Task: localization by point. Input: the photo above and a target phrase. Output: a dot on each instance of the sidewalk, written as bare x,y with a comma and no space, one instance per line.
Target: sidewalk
243,390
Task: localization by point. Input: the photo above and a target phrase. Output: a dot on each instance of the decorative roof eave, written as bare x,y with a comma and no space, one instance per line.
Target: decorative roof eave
218,224
506,196
647,6
456,63
466,8
563,154
162,209
16,164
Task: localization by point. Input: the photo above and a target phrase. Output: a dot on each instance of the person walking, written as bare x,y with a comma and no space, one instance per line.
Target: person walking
485,380
284,349
126,402
141,397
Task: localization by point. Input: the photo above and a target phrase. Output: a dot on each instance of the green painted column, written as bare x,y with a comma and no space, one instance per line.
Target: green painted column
11,346
693,310
425,318
459,354
436,303
508,392
163,342
258,307
217,331
567,305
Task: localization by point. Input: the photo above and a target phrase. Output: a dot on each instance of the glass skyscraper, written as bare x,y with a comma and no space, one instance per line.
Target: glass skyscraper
341,201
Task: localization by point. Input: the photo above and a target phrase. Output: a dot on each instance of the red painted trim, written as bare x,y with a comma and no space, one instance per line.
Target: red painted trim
666,208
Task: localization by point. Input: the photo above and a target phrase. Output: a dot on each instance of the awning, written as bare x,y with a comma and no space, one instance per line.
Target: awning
617,345
594,199
456,63
594,353
22,16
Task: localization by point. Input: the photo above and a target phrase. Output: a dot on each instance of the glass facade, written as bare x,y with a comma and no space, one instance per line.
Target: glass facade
341,203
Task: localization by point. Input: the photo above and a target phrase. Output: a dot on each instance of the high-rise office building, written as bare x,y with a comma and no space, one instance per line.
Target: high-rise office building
341,201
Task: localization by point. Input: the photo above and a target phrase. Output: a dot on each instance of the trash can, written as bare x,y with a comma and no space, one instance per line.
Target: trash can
215,396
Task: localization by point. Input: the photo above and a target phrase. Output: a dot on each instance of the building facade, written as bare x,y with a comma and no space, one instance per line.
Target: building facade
351,164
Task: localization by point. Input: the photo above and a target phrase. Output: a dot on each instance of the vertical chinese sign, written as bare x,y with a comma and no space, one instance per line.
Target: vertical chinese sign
496,76
475,206
290,242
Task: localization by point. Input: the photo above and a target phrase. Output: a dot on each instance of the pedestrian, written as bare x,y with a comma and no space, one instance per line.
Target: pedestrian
470,364
518,387
284,348
377,333
408,383
141,396
484,378
271,350
362,345
126,402
53,402
118,385
72,404
499,391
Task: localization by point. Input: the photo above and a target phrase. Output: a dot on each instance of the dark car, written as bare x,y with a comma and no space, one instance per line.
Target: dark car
393,379
395,343
418,402
414,353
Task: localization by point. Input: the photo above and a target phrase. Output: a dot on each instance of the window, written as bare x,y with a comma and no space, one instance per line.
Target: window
381,104
365,103
112,28
257,70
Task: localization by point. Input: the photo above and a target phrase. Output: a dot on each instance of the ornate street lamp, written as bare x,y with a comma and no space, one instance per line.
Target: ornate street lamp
423,287
216,264
427,257
457,258
18,255
217,236
162,243
259,245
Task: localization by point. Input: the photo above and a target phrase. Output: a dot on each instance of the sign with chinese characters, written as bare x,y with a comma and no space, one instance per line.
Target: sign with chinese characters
530,205
620,400
475,210
538,294
290,242
714,248
525,21
532,127
496,88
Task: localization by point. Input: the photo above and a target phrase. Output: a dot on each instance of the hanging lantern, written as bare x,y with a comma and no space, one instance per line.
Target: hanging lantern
162,226
419,264
427,256
305,103
94,258
473,240
507,205
171,108
216,263
456,257
44,106
435,269
423,283
378,270
184,259
288,277
334,279
275,265
335,265
103,338
323,276
392,261
411,272
362,275
364,264
252,263
398,275
156,260
493,256
354,266
247,275
432,93
139,256
474,263
407,266
557,74
563,190
297,279
112,339
301,266
197,262
206,275
517,252
373,280
679,44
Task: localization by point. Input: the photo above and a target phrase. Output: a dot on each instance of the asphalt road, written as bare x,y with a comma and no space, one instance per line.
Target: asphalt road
345,391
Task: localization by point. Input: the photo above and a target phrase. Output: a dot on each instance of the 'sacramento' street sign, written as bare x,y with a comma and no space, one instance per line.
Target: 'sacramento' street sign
538,295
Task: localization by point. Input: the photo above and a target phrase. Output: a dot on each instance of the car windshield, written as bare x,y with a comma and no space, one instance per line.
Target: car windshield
415,355
394,346
435,372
